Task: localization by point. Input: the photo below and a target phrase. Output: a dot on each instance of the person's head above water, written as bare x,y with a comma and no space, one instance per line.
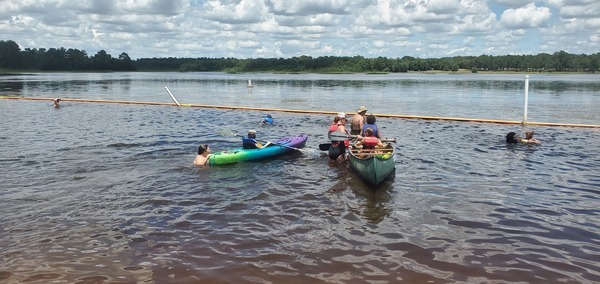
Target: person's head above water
202,149
512,137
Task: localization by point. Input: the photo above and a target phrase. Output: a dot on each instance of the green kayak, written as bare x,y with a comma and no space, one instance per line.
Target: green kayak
279,147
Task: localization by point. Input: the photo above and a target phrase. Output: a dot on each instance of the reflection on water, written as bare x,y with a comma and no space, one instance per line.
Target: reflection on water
11,88
107,192
553,98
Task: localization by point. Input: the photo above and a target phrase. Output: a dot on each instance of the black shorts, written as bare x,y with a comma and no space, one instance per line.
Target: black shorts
335,152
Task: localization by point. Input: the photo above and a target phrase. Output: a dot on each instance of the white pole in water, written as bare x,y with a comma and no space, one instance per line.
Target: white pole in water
172,97
250,86
525,101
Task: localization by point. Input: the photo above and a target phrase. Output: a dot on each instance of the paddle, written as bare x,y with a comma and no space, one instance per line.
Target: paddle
307,151
281,145
326,146
340,136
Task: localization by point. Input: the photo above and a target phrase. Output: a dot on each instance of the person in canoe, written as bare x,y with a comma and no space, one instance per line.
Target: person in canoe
203,155
370,123
338,148
358,120
369,143
250,142
369,140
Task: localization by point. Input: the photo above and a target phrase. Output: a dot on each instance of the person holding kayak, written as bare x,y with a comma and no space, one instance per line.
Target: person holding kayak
250,142
338,148
203,155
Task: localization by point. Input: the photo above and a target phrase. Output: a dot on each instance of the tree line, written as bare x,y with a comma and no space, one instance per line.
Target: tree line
12,57
60,59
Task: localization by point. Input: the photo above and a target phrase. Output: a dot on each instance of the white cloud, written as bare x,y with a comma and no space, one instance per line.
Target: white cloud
528,16
471,24
310,7
242,12
286,28
510,3
442,6
577,9
379,43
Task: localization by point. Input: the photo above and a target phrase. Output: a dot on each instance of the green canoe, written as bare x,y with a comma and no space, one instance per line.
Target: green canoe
373,165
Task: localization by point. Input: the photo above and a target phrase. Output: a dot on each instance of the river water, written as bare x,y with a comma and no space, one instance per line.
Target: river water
106,193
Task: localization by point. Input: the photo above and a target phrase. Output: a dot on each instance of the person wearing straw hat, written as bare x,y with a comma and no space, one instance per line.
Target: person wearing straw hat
358,120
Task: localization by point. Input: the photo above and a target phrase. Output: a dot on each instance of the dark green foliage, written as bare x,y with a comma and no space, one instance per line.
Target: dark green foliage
11,57
60,59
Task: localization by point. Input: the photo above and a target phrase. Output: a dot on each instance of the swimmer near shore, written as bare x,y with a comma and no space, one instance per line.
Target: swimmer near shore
267,119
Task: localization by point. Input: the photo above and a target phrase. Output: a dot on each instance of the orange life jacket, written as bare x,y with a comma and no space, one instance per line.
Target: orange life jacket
370,142
334,128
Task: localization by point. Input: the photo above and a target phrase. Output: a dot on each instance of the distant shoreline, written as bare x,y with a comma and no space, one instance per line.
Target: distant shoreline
4,72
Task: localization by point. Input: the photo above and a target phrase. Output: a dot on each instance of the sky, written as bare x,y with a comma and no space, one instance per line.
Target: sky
288,28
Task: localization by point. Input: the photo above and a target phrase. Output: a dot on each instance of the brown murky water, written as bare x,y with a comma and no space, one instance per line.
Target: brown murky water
97,193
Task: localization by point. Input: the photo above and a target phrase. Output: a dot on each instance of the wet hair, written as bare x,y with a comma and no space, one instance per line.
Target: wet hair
251,134
371,119
369,132
202,148
510,137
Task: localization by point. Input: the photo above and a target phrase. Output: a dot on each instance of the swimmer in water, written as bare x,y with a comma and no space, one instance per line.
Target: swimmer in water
203,155
529,138
267,119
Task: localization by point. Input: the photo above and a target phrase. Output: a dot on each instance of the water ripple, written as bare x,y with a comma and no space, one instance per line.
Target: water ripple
125,204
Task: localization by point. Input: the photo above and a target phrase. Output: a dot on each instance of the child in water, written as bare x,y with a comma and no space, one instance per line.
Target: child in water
513,137
267,119
529,138
203,155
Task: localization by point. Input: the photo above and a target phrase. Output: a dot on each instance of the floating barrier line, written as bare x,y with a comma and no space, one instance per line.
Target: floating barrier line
312,112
